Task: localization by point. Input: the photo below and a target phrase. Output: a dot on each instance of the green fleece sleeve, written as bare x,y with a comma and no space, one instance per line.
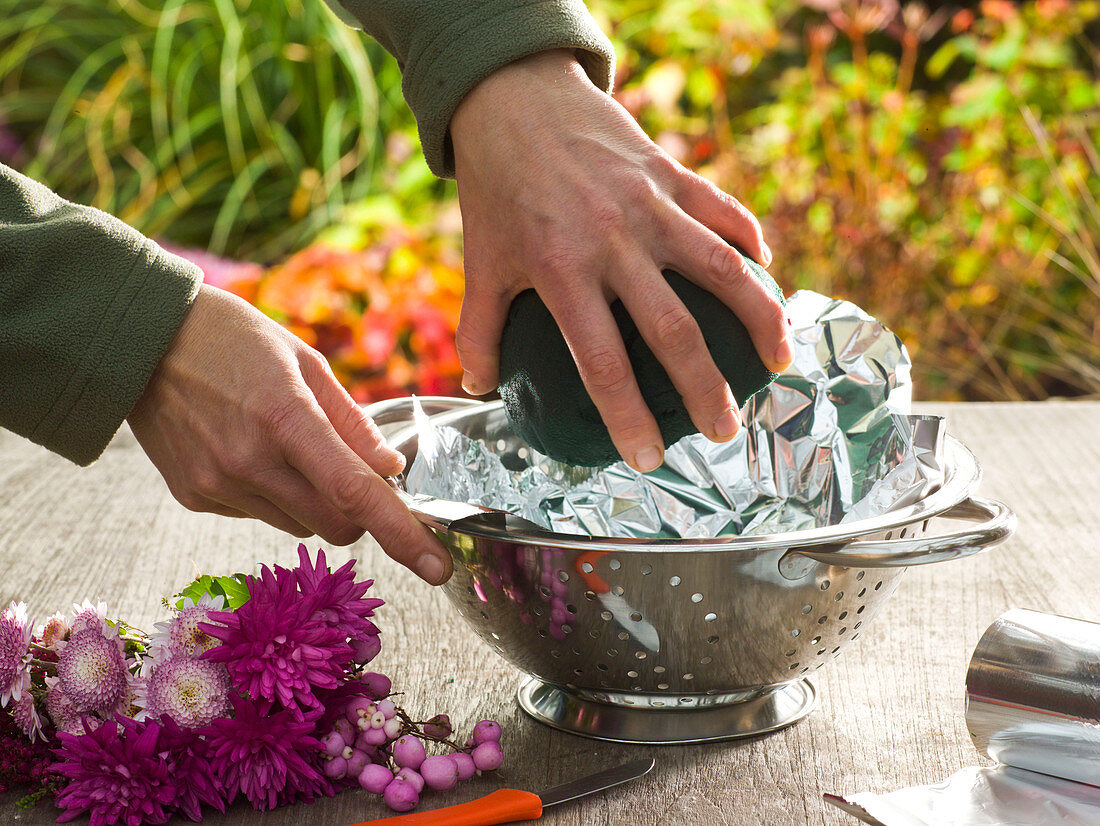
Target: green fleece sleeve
87,308
445,48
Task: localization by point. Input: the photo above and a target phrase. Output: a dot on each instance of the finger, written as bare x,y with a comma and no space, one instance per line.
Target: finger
288,491
477,338
676,340
593,337
259,508
311,446
350,421
724,214
705,258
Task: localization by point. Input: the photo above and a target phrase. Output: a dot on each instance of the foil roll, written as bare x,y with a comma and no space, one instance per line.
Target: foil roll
831,440
1033,706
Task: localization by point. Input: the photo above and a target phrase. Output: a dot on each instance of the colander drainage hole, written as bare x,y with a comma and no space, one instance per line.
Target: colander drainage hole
544,590
483,615
674,581
495,635
646,570
632,675
618,590
860,609
662,687
578,671
566,628
712,639
807,608
570,608
689,676
860,575
563,576
856,626
839,596
855,635
606,616
878,584
793,666
594,634
641,655
815,640
538,612
658,669
555,654
790,653
613,652
842,631
842,615
794,633
590,595
836,650
711,617
601,666
862,591
822,620
586,567
543,633
820,652
623,636
696,597
705,661
614,565
825,585
636,617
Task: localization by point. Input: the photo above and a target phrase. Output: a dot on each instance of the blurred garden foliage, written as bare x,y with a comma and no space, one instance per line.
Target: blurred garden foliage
937,164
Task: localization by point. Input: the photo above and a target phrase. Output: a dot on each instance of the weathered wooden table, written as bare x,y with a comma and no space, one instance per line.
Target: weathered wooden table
891,712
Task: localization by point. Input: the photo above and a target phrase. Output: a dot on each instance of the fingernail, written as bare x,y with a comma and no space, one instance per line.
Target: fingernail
469,384
764,248
783,355
726,425
430,568
647,459
398,459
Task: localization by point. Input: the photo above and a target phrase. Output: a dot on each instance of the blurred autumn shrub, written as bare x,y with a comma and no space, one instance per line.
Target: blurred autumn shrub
940,168
937,164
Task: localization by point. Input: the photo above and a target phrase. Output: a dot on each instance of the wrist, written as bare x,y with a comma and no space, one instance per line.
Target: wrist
520,82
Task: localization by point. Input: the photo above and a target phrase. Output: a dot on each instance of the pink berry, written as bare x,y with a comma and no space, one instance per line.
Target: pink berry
333,743
392,728
366,649
371,737
400,795
376,685
336,768
464,764
346,729
413,776
356,709
439,772
439,726
486,731
488,756
357,761
408,752
387,708
375,778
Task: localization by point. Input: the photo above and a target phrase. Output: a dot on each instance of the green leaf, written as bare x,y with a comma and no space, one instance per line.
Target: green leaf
234,588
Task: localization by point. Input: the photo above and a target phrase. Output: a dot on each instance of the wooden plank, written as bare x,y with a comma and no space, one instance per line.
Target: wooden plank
891,711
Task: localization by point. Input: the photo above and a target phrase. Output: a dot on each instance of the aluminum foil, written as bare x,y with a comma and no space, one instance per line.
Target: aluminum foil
830,441
1033,706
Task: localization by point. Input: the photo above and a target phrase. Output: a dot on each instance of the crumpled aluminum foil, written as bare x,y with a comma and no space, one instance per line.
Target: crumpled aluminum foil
829,441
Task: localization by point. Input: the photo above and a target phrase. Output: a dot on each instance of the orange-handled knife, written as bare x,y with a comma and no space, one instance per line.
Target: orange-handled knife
509,805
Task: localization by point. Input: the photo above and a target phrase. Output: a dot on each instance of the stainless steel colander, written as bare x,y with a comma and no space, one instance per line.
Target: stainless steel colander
676,641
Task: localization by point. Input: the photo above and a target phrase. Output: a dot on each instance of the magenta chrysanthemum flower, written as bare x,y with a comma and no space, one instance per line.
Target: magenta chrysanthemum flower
115,773
15,657
191,692
271,759
188,764
341,603
92,670
275,649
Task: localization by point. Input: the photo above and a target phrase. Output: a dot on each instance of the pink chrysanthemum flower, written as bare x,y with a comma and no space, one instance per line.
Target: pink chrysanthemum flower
54,631
191,692
275,649
271,759
15,656
188,763
26,717
86,615
341,603
63,713
182,634
115,773
92,670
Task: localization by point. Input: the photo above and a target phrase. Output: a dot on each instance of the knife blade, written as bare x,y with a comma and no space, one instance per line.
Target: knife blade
510,805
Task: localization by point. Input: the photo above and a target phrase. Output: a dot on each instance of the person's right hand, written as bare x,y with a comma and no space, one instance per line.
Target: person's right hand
242,418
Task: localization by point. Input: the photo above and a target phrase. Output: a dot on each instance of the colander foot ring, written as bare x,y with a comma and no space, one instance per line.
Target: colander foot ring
619,723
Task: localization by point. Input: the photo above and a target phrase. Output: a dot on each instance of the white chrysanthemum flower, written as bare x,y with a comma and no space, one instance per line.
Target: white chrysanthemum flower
26,717
53,631
63,713
191,692
15,655
92,669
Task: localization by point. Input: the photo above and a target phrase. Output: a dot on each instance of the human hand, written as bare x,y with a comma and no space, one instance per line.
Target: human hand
560,190
242,418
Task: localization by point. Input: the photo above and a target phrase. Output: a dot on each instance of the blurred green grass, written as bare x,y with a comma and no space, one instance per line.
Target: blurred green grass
936,164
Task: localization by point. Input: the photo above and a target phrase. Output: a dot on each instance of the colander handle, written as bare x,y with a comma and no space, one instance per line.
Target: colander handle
392,414
997,522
